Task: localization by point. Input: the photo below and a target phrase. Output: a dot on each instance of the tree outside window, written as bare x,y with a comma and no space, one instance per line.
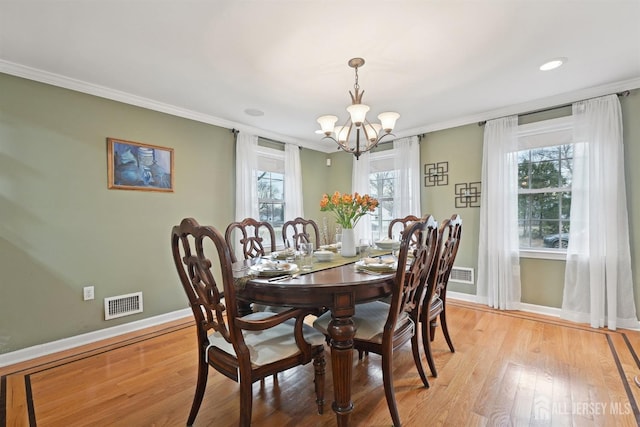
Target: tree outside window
544,200
382,187
271,201
271,197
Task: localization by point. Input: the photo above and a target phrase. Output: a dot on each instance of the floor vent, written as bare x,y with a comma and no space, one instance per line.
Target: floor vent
462,275
122,305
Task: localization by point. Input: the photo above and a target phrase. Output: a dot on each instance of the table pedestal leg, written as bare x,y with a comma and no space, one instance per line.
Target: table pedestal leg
342,331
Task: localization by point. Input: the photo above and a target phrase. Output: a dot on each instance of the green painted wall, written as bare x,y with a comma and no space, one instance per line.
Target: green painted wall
461,149
315,174
318,178
62,229
631,129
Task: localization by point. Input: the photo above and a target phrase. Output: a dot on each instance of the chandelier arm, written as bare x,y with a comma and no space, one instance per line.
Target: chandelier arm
346,141
382,137
340,146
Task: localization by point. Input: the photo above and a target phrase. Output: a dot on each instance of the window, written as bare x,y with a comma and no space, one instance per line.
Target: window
545,162
382,181
271,197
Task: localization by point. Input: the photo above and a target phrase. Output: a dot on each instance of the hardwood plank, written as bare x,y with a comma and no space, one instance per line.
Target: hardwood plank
509,368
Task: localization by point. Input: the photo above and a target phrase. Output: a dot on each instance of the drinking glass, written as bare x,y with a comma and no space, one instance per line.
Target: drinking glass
365,248
306,250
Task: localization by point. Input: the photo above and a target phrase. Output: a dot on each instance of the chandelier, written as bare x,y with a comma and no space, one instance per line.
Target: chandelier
371,133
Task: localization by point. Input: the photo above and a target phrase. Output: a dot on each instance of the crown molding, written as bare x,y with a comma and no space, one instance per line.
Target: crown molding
538,104
41,76
138,101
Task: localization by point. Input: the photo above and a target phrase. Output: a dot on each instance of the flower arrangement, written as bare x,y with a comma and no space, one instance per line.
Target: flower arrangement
348,208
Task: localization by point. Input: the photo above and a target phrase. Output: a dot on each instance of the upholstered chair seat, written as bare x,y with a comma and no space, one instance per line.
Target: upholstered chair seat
369,321
269,345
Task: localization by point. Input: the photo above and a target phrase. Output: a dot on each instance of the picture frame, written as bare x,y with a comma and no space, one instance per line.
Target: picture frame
138,166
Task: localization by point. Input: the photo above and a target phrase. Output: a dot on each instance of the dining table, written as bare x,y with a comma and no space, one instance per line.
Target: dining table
336,285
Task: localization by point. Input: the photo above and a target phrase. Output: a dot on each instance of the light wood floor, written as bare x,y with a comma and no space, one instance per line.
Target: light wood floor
509,369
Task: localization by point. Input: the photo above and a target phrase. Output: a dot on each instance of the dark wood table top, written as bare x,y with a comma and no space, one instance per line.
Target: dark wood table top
319,288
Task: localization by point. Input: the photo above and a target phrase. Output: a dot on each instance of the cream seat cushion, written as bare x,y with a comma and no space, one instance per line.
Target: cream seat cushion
369,320
271,344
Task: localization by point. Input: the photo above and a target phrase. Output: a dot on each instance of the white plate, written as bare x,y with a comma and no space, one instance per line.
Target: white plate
273,269
382,267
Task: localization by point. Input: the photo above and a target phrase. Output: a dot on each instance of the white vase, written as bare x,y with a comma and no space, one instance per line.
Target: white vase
348,243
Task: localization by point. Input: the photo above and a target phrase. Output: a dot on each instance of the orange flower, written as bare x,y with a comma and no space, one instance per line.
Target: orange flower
348,208
335,199
324,202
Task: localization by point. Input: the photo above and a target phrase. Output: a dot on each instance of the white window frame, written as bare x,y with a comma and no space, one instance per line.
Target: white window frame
272,160
545,133
386,159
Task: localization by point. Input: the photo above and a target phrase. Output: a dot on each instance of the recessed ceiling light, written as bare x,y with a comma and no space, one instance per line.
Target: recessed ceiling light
553,64
254,112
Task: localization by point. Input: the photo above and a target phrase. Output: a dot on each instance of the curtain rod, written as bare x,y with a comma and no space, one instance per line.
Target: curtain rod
557,107
236,132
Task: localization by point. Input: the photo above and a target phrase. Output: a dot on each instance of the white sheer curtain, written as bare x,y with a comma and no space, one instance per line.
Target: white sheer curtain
246,182
360,183
498,248
407,189
598,286
293,206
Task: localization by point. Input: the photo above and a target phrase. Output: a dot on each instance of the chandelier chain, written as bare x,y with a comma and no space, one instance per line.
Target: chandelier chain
356,86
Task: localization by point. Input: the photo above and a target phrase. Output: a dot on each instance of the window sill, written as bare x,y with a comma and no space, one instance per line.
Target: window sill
558,255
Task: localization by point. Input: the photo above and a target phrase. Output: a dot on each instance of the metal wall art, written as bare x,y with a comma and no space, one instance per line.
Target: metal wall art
468,195
436,174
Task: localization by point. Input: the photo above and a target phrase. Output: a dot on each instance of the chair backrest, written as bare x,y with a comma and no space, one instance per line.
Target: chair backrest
398,225
420,246
450,234
251,239
298,231
196,249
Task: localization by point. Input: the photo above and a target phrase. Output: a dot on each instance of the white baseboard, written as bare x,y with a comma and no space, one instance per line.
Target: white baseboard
530,308
78,340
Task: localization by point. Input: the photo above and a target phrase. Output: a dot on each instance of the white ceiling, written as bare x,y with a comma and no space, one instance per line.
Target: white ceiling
437,63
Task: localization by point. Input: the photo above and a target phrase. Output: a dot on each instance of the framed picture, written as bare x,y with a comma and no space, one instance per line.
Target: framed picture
136,166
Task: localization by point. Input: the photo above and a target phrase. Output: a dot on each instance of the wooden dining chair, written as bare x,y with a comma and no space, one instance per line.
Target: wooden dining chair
436,296
245,349
398,225
251,240
298,231
382,328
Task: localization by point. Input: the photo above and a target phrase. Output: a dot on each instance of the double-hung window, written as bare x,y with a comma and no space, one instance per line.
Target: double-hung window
545,166
382,186
271,197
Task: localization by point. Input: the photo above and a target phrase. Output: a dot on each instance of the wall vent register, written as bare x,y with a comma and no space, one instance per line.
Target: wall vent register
462,275
122,305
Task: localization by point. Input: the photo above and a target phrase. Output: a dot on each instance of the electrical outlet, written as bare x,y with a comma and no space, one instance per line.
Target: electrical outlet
88,293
